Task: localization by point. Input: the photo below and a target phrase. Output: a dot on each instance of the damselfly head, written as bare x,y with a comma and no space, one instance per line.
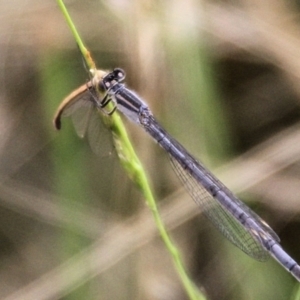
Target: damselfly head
119,74
116,76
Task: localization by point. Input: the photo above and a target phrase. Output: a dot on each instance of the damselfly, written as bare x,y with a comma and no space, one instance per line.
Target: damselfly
238,223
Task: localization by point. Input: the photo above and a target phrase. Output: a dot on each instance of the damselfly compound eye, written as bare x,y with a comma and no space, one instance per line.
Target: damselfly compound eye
119,74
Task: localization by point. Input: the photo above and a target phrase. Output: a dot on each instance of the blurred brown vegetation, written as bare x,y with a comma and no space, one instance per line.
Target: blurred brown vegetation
221,76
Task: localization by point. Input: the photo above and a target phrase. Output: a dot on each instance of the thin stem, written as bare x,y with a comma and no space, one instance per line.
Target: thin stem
135,170
86,54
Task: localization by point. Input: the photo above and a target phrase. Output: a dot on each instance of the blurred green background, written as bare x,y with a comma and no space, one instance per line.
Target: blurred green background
221,76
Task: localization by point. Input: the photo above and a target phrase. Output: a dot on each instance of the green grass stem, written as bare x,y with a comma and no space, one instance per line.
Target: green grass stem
135,170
